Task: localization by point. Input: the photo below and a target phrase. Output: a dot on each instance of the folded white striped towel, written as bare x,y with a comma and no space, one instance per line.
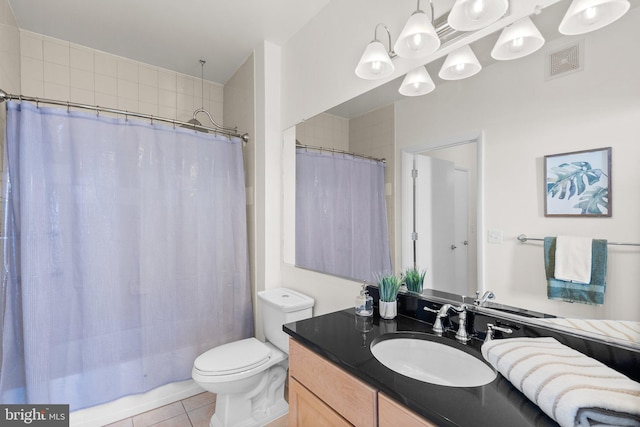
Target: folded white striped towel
573,389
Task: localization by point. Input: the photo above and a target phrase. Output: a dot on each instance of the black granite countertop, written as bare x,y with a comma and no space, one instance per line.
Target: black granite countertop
345,339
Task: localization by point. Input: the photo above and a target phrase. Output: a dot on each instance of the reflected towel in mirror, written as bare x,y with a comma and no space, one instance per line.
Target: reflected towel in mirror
592,293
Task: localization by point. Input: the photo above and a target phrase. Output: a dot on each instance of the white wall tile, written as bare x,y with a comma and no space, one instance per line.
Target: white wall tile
148,75
32,68
106,84
168,112
148,108
56,51
31,87
167,80
184,85
81,58
167,98
128,104
106,100
31,45
127,70
56,91
81,79
184,102
127,89
105,64
148,94
56,73
82,96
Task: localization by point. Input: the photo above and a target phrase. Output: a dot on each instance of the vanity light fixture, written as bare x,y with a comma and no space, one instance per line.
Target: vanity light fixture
418,37
417,82
469,15
517,40
375,62
584,16
460,64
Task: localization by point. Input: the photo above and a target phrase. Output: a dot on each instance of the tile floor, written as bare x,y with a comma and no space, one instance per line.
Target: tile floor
195,411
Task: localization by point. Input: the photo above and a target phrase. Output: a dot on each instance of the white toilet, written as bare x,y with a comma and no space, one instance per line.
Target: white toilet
248,376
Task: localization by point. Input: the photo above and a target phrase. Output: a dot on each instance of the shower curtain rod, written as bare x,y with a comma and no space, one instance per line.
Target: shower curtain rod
4,96
335,150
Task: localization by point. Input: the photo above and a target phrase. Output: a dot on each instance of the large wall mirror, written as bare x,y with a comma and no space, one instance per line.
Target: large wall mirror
514,113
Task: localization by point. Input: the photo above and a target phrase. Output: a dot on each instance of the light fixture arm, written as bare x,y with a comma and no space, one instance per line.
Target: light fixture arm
392,54
433,13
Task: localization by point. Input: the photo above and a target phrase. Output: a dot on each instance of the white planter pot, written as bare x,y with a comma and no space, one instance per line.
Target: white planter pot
388,310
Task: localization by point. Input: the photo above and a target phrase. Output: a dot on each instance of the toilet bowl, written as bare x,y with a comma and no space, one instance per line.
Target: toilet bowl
248,376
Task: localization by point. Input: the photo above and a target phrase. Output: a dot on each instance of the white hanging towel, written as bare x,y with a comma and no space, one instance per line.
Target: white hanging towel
573,259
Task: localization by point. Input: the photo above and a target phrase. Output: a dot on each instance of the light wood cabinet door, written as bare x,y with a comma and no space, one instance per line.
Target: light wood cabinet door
306,410
392,414
352,399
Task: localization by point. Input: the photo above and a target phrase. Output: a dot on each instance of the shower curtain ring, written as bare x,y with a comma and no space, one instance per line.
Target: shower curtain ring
68,107
37,103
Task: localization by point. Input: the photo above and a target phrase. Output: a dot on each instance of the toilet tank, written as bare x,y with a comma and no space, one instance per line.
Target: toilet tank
280,306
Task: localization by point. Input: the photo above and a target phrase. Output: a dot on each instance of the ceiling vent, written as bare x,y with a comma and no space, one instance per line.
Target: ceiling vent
565,60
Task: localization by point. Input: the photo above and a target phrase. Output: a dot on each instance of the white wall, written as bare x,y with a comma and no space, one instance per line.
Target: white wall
524,117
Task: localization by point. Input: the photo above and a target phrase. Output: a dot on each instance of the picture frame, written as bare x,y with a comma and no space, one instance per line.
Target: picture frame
578,184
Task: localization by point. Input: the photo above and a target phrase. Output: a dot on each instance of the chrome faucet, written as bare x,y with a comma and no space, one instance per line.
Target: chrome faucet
480,301
461,334
491,327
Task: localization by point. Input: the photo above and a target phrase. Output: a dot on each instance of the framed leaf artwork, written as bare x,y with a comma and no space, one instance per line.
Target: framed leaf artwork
578,183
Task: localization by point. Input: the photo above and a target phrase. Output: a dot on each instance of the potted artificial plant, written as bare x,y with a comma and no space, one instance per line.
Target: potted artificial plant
414,280
388,287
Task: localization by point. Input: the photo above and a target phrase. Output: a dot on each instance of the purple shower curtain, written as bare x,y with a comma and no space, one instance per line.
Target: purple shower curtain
125,255
341,215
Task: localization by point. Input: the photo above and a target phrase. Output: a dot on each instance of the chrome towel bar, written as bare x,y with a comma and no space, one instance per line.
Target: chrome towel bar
523,238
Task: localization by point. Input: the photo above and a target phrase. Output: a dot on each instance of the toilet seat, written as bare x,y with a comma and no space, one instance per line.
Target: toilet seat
233,358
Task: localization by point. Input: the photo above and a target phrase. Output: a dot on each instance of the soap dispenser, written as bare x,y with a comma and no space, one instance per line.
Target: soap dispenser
364,302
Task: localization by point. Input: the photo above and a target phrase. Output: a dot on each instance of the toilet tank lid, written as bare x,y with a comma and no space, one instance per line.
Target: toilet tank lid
286,300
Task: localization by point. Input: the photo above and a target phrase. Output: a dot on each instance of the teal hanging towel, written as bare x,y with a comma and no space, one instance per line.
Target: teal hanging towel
591,293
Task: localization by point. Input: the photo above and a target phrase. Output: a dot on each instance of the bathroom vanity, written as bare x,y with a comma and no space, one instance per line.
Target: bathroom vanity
333,375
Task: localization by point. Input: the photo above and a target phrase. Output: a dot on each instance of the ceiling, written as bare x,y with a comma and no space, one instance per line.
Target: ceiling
171,34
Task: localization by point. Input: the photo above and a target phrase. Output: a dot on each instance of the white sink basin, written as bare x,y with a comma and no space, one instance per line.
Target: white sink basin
432,362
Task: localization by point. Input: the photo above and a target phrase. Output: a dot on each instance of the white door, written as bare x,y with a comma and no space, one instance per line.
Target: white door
432,211
441,226
461,232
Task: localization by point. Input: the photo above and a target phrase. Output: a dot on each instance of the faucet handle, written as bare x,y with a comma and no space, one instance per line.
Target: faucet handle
491,328
432,310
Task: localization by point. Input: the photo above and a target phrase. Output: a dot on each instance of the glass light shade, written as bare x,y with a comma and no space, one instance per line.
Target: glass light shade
517,40
418,37
417,82
470,15
375,62
460,64
584,16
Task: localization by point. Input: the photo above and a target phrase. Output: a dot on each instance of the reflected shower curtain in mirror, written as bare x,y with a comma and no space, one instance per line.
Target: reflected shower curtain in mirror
341,216
125,255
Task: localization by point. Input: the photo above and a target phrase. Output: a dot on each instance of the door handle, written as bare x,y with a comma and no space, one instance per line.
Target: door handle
453,247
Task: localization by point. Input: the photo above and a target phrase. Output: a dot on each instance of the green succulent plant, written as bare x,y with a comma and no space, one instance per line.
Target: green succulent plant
388,287
414,279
